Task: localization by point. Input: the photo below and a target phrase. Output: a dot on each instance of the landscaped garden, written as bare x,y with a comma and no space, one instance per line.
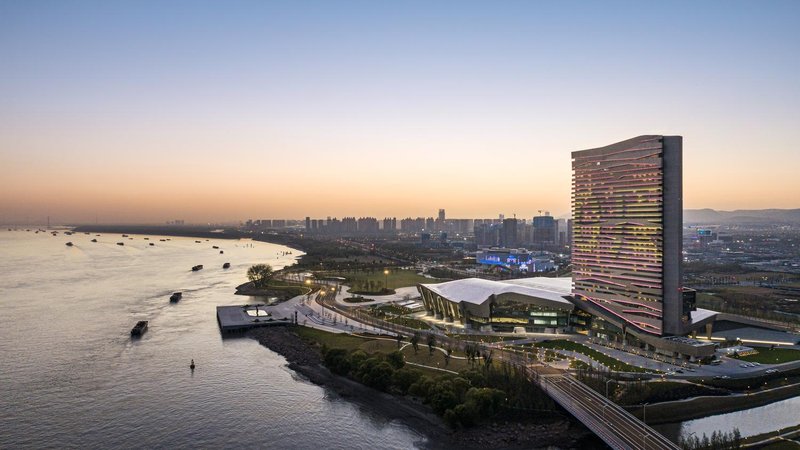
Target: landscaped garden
376,282
611,363
772,356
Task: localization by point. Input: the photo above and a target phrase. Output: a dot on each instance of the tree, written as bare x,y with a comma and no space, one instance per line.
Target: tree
415,342
487,359
399,338
337,360
402,379
260,274
431,343
447,355
395,359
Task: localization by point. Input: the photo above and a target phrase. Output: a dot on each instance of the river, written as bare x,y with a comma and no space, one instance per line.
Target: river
70,375
750,422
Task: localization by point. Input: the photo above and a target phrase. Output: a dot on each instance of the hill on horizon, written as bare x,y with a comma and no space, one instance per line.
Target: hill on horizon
708,215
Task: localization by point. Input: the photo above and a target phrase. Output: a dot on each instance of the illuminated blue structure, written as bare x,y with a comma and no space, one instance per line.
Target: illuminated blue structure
514,259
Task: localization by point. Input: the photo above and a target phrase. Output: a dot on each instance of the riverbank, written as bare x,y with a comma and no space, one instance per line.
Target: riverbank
280,293
163,230
699,407
551,432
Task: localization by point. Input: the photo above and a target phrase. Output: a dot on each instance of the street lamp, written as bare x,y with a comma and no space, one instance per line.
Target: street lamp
609,381
386,279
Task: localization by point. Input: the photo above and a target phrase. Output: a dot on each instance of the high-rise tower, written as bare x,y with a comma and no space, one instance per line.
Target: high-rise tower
626,251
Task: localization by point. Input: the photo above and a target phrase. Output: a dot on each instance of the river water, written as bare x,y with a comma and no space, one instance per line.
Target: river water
750,422
70,375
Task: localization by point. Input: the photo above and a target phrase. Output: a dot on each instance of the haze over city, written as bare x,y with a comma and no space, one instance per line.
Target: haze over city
211,111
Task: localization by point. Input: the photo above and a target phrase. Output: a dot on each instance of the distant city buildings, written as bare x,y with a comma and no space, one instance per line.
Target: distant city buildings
543,232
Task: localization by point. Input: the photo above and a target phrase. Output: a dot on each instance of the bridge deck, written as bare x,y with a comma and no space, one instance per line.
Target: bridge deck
617,427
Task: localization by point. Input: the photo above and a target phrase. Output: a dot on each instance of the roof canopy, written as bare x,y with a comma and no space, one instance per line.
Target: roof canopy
477,291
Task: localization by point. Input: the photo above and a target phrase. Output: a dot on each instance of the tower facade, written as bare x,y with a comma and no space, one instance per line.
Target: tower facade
627,232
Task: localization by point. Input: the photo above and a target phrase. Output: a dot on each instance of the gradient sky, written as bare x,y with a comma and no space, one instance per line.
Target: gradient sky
147,111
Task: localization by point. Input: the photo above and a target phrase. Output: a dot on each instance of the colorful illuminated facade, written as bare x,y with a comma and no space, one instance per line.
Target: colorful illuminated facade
626,253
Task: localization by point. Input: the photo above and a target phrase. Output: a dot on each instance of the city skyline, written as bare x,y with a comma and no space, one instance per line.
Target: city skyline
143,112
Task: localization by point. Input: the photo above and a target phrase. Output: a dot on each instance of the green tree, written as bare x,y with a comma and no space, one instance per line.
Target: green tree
404,378
447,355
431,343
379,376
337,360
421,387
395,359
487,359
260,274
415,342
442,397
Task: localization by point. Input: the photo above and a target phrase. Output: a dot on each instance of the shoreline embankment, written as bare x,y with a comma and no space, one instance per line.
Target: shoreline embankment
705,406
164,230
306,360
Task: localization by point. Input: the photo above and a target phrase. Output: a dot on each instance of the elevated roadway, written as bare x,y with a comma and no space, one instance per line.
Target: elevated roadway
617,427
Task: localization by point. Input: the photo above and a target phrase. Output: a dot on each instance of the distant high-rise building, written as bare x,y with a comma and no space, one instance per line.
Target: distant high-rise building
569,231
626,252
308,223
367,225
389,224
441,215
509,233
544,230
430,224
349,225
561,232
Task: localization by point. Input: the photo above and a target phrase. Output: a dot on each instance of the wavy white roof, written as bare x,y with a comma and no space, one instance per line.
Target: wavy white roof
477,290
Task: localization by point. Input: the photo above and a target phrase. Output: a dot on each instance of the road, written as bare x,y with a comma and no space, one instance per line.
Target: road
617,427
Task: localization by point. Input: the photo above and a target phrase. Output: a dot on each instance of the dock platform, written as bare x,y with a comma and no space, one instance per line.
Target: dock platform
245,317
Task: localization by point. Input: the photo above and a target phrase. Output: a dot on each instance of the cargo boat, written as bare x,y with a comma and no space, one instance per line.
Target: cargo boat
139,328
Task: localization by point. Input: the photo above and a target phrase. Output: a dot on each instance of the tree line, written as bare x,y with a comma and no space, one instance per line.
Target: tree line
479,394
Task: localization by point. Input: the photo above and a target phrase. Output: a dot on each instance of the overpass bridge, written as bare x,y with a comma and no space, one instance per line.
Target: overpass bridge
614,425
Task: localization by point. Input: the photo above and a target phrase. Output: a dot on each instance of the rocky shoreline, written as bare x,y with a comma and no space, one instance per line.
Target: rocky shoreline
556,433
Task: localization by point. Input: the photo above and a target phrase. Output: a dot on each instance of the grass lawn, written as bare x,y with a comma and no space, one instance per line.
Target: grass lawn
394,309
772,356
755,383
408,322
293,289
436,360
705,406
358,300
607,361
373,345
780,444
483,338
397,278
333,340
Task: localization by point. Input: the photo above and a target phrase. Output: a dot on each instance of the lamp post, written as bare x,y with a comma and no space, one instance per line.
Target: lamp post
386,279
608,381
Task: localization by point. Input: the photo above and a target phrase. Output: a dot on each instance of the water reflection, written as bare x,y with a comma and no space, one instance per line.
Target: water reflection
750,422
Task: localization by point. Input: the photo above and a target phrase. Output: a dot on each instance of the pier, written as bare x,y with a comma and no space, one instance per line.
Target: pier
245,317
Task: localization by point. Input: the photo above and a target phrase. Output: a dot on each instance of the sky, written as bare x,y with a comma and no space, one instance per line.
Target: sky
218,111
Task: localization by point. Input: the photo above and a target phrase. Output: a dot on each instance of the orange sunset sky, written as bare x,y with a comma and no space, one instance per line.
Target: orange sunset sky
207,112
